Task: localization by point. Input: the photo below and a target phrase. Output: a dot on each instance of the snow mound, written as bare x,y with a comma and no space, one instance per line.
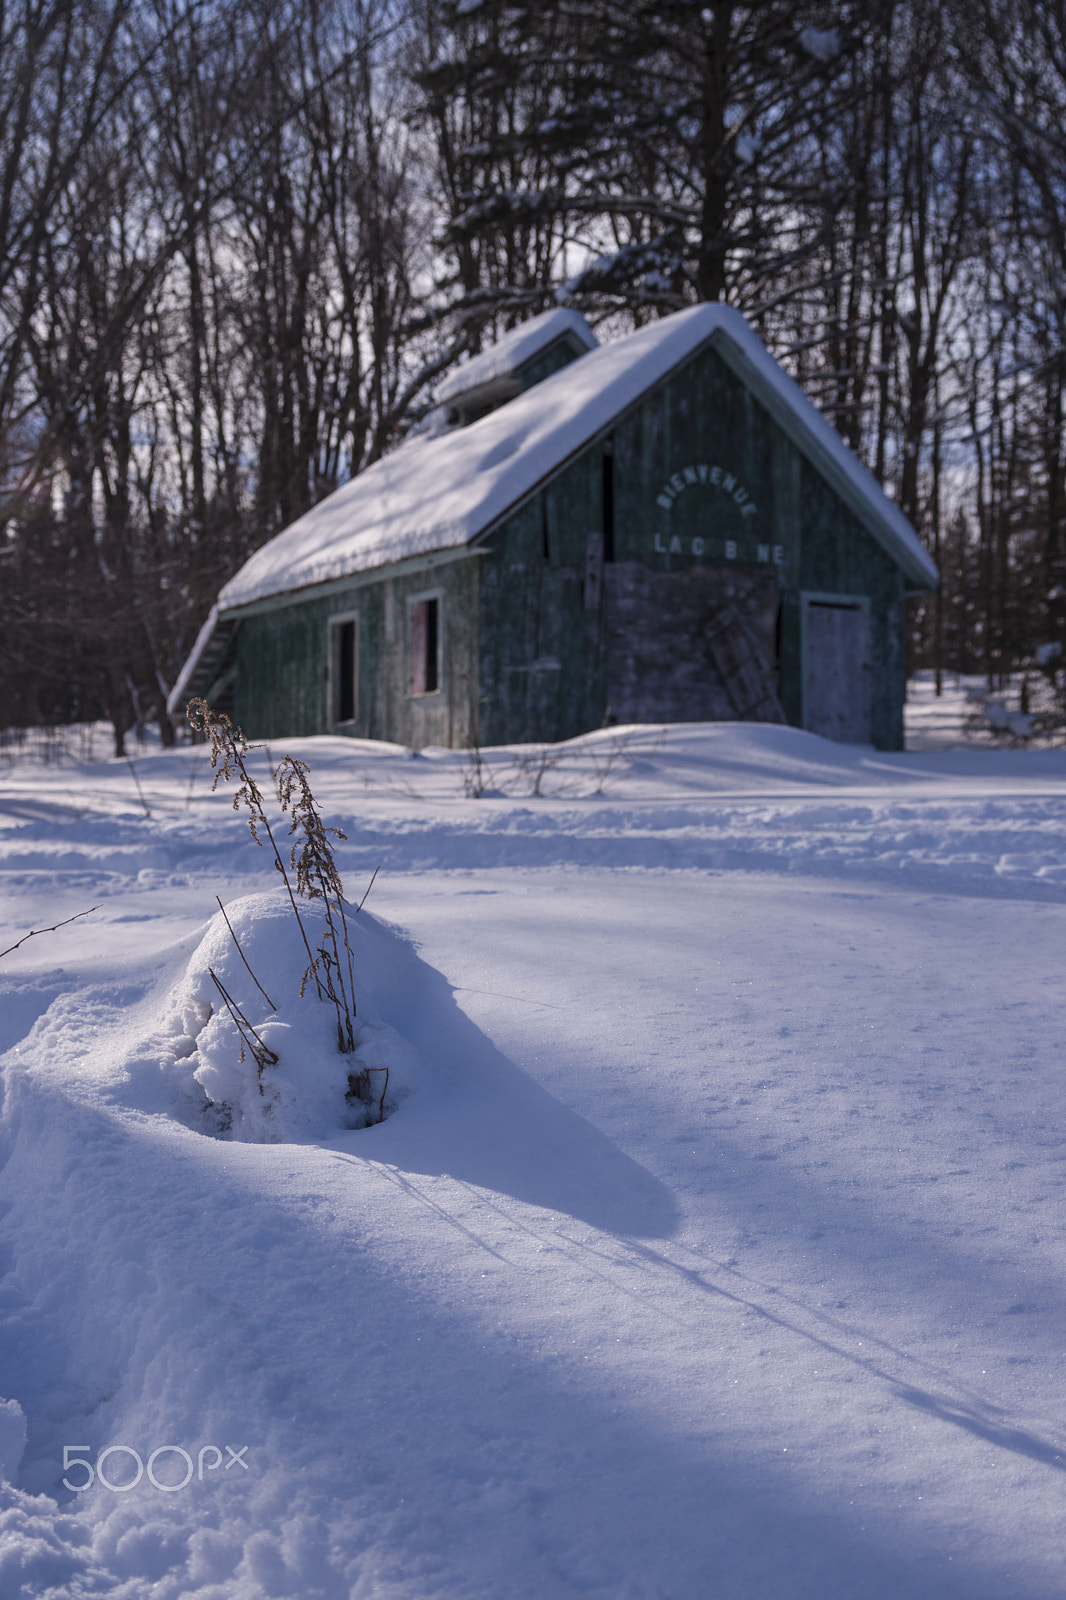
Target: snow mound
311,1092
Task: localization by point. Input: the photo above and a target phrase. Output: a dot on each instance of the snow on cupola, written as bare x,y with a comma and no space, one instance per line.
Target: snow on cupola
523,357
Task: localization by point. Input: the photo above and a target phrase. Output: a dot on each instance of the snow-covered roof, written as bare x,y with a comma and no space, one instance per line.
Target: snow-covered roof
505,357
438,494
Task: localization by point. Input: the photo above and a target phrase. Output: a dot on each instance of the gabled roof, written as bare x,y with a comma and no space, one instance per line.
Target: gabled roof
516,348
436,494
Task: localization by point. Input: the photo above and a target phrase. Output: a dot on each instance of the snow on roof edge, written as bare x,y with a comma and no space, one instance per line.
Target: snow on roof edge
467,475
192,661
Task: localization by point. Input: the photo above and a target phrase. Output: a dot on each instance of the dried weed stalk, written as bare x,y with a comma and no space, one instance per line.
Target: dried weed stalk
329,966
229,755
317,878
528,771
480,781
534,766
607,759
243,957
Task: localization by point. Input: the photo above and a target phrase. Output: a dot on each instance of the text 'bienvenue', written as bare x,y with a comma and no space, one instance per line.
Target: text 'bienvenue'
717,477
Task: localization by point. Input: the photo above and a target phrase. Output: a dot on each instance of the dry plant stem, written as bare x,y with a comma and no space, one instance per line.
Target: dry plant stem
192,779
535,766
474,780
35,931
244,958
332,964
260,1053
292,901
348,955
369,886
480,779
140,791
316,878
311,858
228,750
604,762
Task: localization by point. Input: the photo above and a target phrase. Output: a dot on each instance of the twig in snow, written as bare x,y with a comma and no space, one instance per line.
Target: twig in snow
260,1052
35,931
369,886
193,769
244,958
140,791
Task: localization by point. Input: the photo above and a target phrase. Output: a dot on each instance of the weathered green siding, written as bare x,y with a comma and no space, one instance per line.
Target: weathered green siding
284,667
838,556
541,669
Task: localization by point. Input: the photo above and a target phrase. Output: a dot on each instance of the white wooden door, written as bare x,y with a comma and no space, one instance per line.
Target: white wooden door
838,671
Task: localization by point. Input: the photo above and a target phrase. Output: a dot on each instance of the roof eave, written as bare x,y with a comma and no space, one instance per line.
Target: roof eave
363,578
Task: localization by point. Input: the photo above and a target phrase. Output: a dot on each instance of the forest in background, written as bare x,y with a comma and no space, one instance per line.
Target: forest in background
239,244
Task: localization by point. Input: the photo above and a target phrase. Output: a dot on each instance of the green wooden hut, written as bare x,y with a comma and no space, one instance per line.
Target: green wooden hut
659,529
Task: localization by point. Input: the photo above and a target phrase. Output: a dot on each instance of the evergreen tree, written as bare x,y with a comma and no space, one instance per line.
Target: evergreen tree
630,156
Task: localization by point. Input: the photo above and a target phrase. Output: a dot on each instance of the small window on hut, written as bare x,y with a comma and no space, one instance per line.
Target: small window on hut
345,641
425,646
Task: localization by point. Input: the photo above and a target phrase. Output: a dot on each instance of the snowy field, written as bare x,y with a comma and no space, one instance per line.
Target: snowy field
715,1253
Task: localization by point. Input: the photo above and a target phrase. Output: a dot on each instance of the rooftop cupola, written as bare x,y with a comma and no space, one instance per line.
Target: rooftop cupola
523,357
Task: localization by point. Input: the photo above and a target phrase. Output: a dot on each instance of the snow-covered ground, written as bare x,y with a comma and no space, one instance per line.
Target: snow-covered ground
715,1250
969,714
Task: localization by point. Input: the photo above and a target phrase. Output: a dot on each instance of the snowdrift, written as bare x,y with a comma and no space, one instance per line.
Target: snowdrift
311,1090
717,1245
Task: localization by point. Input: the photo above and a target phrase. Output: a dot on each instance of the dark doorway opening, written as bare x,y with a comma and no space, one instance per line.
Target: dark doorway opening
345,671
425,646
